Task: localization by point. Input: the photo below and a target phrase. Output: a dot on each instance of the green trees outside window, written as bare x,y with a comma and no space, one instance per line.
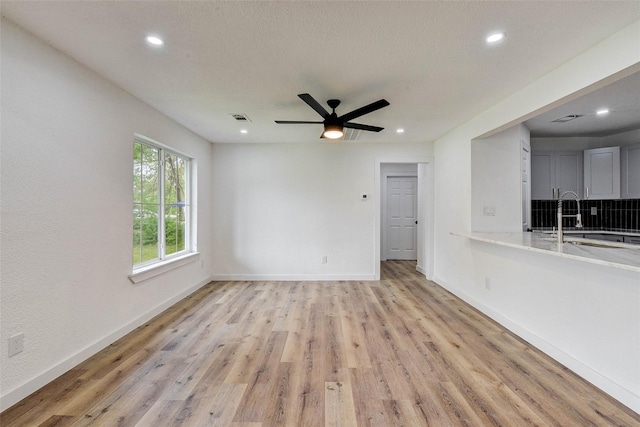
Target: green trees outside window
175,203
160,203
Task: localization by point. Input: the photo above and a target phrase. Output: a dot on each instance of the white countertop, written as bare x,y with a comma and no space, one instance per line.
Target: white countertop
625,259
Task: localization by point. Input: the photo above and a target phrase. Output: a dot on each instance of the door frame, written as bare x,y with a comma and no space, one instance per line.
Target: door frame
525,195
426,189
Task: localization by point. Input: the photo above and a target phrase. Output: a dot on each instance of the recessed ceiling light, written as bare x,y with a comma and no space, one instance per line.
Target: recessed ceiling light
244,131
602,112
495,37
154,40
400,130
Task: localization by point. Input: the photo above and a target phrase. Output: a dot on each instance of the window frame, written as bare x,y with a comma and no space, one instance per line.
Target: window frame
164,262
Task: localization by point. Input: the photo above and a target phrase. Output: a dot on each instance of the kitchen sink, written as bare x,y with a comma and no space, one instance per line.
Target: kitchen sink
594,243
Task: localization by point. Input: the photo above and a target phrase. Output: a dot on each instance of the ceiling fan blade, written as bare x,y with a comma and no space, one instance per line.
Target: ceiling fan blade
314,104
293,122
363,127
364,110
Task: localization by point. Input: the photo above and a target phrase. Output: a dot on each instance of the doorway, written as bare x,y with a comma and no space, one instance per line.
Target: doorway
421,169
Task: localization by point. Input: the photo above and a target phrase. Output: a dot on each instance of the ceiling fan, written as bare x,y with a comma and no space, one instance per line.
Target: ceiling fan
334,125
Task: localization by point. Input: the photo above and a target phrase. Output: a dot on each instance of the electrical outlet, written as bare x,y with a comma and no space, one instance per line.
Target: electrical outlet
324,259
487,283
16,344
594,210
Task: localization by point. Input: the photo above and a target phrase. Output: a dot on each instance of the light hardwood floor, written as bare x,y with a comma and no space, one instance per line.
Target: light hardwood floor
397,352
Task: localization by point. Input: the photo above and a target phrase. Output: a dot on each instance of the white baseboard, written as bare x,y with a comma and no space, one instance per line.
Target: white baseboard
291,277
17,394
615,390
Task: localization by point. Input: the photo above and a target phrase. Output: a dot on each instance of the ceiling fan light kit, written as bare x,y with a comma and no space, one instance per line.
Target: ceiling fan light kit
333,132
333,124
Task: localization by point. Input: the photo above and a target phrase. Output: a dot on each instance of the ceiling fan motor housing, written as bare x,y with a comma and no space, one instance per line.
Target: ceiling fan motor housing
333,104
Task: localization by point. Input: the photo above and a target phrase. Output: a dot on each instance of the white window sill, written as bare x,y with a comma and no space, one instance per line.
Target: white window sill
149,271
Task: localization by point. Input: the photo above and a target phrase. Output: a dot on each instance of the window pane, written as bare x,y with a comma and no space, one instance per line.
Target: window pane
146,203
137,238
148,219
174,229
137,172
175,197
175,178
149,175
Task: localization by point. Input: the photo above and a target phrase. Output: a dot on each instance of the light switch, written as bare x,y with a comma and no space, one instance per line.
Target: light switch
488,211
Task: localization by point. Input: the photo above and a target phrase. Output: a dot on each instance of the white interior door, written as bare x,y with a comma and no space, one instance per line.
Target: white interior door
401,210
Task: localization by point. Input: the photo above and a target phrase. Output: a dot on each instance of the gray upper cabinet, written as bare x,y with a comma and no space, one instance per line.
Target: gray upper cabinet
630,171
543,176
602,173
554,172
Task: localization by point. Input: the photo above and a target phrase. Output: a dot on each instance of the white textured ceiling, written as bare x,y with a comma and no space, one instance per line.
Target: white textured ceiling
428,59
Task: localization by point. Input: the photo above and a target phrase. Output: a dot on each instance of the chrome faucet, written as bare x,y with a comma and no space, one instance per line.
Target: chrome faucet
578,216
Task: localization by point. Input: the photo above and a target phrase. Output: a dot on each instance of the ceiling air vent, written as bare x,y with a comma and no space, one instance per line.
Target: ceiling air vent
241,117
351,134
567,118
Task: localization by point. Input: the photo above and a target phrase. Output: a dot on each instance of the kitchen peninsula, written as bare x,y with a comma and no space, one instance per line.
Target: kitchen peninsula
624,258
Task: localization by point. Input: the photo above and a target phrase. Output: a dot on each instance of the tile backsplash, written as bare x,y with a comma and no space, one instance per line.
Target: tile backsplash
611,215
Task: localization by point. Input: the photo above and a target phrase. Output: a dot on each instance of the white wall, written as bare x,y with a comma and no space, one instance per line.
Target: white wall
586,317
280,207
66,164
426,219
548,302
496,181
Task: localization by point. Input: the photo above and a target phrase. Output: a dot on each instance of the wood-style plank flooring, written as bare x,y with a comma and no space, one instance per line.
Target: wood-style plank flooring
401,351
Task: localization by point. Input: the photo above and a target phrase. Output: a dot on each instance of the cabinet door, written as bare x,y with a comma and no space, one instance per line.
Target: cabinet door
602,173
553,172
630,171
569,173
543,175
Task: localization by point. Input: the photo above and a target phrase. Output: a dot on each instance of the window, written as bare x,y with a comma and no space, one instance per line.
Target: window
161,203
